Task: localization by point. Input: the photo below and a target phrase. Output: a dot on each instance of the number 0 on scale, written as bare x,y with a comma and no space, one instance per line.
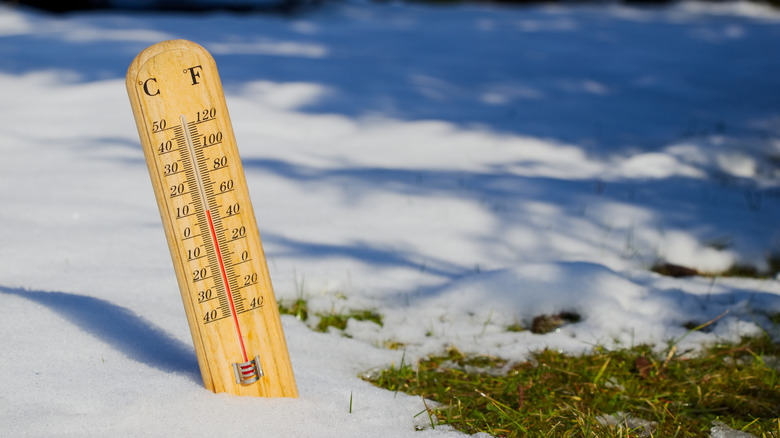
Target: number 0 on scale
190,149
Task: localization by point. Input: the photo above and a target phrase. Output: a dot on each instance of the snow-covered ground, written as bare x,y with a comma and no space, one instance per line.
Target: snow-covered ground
458,170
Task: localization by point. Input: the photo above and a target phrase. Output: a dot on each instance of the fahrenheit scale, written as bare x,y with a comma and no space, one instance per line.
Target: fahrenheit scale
190,149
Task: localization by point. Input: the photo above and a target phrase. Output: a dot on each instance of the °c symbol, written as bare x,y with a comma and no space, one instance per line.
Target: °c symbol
148,90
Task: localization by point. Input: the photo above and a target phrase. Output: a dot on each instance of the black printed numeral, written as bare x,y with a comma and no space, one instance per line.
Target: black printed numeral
199,274
250,279
207,114
210,316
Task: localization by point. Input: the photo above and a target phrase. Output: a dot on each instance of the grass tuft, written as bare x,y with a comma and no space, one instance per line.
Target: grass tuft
735,270
300,309
515,327
340,320
626,392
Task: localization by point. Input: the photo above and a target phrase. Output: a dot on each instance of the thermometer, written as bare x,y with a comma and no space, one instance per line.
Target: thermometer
204,203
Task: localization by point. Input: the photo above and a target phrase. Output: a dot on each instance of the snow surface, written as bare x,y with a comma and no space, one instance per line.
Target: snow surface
457,169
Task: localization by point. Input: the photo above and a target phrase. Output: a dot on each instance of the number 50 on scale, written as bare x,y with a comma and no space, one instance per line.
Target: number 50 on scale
199,183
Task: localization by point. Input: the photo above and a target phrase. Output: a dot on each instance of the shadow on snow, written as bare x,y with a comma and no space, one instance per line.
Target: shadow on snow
120,328
601,79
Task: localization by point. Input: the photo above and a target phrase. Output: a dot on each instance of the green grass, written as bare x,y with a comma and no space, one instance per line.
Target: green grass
339,320
629,392
736,270
555,394
300,309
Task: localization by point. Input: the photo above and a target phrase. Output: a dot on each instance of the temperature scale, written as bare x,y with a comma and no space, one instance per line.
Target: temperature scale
190,149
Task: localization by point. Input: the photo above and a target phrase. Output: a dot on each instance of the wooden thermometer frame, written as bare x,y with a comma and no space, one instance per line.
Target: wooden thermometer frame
204,203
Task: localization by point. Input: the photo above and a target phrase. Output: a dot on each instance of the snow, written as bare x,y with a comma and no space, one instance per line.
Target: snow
457,169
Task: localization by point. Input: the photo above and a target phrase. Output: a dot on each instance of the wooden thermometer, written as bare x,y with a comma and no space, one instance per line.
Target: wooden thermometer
209,223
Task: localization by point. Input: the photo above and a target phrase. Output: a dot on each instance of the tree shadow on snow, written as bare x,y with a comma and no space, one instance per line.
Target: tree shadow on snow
501,191
139,339
589,211
363,252
593,78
